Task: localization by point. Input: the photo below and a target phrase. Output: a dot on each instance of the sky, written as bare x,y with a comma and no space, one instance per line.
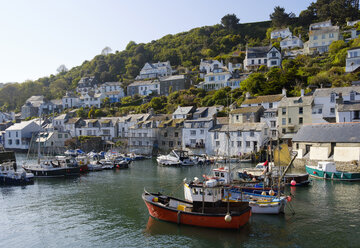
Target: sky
37,36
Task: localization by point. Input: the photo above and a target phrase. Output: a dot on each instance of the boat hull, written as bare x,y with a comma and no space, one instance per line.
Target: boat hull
337,176
60,172
6,180
197,219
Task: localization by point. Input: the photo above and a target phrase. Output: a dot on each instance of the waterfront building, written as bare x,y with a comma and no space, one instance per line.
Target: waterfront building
108,128
293,112
348,112
268,102
18,136
246,114
72,124
88,127
339,142
170,134
325,102
196,134
51,142
59,121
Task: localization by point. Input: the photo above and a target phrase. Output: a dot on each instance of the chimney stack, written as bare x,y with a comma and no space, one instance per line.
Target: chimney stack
230,67
340,100
283,92
302,91
247,95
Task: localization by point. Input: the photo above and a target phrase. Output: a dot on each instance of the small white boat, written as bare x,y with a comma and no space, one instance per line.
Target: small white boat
168,160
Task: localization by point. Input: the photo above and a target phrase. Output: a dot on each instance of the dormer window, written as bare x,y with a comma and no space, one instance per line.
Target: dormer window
332,97
352,96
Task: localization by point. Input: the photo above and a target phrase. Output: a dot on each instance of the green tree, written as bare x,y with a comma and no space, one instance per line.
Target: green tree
280,18
230,21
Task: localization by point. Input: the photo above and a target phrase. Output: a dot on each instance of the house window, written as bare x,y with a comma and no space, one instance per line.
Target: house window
323,36
247,143
217,143
331,35
9,134
59,136
237,117
319,111
289,120
65,135
315,37
356,115
16,134
270,105
238,143
300,110
284,130
265,61
252,133
239,133
193,141
201,131
192,132
179,143
300,120
352,98
273,123
171,144
284,111
273,62
216,135
259,61
145,135
283,121
273,54
176,134
332,110
232,143
165,134
10,142
17,142
252,61
332,97
273,133
140,143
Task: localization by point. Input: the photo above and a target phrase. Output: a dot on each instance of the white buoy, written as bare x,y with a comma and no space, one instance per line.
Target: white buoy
271,192
228,218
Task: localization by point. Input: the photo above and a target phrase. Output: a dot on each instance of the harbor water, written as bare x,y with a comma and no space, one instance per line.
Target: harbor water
105,209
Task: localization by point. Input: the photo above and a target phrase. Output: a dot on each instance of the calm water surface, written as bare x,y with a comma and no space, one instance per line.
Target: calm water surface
105,209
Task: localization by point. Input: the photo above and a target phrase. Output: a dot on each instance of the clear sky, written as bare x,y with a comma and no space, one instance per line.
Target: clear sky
37,36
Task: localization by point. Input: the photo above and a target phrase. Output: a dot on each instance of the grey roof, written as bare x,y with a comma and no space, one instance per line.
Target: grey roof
350,106
324,30
183,110
324,92
61,117
112,84
141,83
174,77
238,127
296,101
330,132
21,125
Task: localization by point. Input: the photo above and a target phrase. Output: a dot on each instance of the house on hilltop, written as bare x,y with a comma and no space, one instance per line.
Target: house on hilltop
257,56
155,70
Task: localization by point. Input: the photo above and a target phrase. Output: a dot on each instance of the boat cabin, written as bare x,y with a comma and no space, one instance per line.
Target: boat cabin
222,175
198,193
326,166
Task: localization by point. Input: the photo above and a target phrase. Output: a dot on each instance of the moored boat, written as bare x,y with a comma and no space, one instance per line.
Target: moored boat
10,176
297,179
215,214
327,170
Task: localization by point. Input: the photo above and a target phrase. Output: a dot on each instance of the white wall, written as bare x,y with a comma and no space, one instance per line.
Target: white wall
346,154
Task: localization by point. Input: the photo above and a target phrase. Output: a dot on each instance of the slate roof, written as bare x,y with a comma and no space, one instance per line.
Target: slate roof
296,101
262,99
20,126
141,83
174,77
257,52
73,120
245,110
348,107
238,127
330,132
324,30
183,110
325,92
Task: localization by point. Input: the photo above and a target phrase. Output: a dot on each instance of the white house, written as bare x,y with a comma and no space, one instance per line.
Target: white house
91,98
125,122
291,42
70,100
90,127
319,25
352,59
113,90
59,122
273,57
243,138
325,99
321,35
18,136
216,79
258,56
5,117
86,84
280,33
144,88
207,66
348,112
196,134
183,112
155,70
72,124
268,102
108,128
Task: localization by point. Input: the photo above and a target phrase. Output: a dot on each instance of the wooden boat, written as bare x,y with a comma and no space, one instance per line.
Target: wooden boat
209,214
327,170
297,179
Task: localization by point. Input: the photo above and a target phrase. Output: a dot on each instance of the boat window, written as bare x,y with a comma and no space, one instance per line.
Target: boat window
201,192
222,174
209,192
195,191
319,166
216,174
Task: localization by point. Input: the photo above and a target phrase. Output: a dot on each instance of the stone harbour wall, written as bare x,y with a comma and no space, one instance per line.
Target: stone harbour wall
353,166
